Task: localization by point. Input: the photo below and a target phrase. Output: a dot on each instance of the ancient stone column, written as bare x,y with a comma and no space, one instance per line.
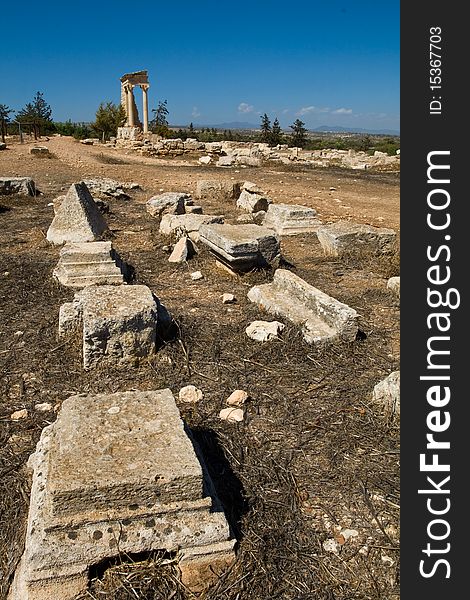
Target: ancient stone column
130,106
145,107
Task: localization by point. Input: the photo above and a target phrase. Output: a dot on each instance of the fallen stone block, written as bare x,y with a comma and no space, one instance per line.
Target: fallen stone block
241,247
172,203
89,263
39,151
291,219
393,284
77,219
225,161
252,199
344,237
183,250
320,317
17,185
104,187
118,323
210,189
187,225
118,474
387,394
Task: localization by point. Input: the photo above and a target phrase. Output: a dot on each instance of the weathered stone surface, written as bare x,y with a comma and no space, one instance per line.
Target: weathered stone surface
232,415
205,160
183,250
77,219
104,187
228,298
341,237
253,201
291,219
241,247
213,189
197,275
387,393
117,473
320,317
89,263
194,209
118,323
225,161
393,284
190,394
262,331
40,150
183,225
17,185
237,398
172,203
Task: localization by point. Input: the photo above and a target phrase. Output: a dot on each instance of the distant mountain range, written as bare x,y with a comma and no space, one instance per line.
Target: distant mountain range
321,129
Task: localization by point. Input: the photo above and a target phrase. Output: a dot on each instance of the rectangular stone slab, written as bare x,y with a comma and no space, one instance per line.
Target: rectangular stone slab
291,219
122,449
342,237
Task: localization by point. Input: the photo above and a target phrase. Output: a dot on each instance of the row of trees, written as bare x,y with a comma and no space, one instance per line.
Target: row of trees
36,114
272,134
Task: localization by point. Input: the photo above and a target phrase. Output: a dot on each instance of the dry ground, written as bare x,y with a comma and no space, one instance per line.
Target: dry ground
314,459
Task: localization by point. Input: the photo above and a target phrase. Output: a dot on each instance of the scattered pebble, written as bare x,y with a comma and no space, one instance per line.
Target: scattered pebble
237,398
228,298
262,331
331,545
19,414
44,407
197,275
190,394
114,410
232,415
18,333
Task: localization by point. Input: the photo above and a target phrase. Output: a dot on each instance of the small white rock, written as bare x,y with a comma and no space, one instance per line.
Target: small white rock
191,394
331,545
180,251
197,275
232,415
43,407
237,398
262,331
205,160
18,333
228,298
19,414
114,410
349,533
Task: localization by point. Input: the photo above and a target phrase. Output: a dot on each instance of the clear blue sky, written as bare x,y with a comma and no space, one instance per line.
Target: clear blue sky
327,62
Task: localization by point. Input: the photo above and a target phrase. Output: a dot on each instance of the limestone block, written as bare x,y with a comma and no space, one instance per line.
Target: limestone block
387,394
172,203
89,263
291,219
77,219
213,189
225,161
341,237
109,188
393,284
117,474
39,150
241,247
253,201
17,185
181,225
118,323
320,317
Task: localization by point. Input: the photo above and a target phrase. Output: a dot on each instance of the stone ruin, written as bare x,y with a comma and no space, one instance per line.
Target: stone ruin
291,219
89,263
117,323
387,394
133,126
77,219
320,317
241,247
118,474
343,237
17,185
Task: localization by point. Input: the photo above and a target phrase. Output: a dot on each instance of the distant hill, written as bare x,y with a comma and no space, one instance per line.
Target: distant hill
231,125
322,129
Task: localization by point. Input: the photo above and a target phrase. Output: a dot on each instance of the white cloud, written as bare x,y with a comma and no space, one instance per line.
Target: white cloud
195,112
342,111
243,107
307,110
285,111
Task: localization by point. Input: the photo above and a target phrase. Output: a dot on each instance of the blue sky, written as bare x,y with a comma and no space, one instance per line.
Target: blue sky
326,62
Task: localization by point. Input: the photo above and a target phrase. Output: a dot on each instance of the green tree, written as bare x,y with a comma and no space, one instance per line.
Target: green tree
4,119
159,123
191,130
299,134
109,117
265,129
38,114
276,133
